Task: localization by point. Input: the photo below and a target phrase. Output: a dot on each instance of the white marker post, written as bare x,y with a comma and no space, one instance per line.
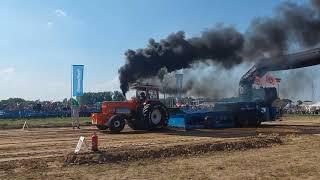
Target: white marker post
25,125
80,143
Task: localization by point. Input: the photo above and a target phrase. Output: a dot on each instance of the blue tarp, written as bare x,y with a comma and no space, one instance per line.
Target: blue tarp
199,119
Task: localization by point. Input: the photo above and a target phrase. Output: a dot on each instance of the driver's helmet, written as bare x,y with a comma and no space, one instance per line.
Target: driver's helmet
142,95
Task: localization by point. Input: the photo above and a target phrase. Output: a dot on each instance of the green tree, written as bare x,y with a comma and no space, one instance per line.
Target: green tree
91,98
65,101
299,102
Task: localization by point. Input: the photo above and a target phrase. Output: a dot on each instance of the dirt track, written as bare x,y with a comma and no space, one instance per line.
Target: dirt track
47,147
53,142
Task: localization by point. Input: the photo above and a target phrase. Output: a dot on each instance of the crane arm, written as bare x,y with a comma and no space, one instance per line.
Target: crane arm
291,61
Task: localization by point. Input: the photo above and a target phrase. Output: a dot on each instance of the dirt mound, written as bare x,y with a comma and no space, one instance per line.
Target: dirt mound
172,151
24,165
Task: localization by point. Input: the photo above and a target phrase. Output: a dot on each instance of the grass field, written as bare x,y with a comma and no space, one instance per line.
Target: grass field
41,123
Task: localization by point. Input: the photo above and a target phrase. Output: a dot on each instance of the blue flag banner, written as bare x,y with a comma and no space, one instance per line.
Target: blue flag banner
77,80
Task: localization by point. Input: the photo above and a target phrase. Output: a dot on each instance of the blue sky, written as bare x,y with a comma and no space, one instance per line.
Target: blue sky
39,40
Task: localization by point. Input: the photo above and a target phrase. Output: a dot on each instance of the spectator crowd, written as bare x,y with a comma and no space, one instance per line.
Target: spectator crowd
302,109
19,108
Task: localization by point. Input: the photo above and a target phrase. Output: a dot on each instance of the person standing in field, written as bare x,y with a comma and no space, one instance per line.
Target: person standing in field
75,107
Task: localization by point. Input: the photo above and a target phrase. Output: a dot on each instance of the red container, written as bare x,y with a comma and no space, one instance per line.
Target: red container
94,140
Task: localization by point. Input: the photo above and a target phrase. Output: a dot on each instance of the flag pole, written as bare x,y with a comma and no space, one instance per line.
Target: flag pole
71,85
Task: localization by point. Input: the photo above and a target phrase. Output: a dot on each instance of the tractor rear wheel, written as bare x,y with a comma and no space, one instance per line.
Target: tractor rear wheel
102,127
156,115
137,122
116,123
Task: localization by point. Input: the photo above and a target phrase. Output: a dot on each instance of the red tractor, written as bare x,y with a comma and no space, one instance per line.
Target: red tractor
144,112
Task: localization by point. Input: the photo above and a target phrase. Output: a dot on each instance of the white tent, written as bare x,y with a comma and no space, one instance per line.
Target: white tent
317,104
311,107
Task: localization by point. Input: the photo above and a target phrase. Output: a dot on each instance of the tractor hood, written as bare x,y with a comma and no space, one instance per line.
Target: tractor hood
119,106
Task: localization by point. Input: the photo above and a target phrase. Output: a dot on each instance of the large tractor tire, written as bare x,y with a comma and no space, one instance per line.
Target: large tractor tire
102,127
116,123
258,123
209,122
156,115
137,122
245,123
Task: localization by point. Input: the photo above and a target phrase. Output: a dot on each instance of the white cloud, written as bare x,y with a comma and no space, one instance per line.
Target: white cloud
60,13
8,70
49,24
7,73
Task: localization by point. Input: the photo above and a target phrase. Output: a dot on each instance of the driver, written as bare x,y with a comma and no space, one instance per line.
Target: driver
143,96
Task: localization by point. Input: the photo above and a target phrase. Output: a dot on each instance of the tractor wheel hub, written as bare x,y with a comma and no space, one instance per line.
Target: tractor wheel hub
116,123
156,116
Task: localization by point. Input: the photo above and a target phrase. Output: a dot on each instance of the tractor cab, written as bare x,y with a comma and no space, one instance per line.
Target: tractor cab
146,93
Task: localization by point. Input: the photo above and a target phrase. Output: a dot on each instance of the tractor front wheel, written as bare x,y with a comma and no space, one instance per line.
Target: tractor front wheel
116,123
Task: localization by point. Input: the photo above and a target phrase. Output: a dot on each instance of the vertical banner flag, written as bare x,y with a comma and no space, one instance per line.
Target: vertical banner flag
77,80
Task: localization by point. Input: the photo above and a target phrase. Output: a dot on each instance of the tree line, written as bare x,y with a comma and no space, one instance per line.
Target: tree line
91,98
88,98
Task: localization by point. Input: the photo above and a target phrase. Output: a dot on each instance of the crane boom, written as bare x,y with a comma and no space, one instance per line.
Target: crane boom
291,61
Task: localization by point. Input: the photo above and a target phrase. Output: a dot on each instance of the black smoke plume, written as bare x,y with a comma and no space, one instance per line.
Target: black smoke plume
294,26
221,45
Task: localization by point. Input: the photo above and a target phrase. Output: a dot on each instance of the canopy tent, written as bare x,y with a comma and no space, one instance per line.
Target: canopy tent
317,104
